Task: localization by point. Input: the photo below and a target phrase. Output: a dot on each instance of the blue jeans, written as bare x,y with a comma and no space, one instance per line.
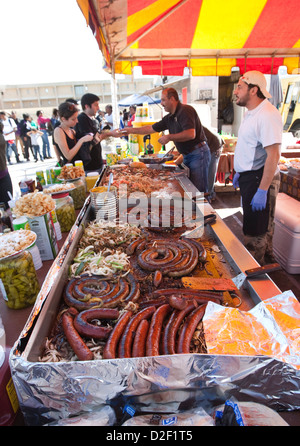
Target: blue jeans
46,144
198,163
212,172
36,149
11,148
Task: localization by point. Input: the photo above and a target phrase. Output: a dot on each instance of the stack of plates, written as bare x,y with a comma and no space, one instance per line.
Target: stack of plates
105,205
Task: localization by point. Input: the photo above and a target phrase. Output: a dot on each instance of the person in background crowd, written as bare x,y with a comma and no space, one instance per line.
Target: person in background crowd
19,140
55,121
72,100
9,128
215,144
107,122
99,116
42,123
187,133
35,136
33,123
5,179
256,164
25,127
87,124
131,117
125,117
65,136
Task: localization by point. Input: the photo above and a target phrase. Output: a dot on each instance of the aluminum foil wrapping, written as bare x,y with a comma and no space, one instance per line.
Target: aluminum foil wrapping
52,391
48,392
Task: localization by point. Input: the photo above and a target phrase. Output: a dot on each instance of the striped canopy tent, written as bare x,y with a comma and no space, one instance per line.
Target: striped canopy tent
207,36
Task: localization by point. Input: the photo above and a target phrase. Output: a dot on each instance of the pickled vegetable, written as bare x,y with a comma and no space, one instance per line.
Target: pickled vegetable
66,216
79,196
19,279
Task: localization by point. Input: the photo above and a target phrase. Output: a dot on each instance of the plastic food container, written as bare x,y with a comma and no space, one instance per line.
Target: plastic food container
91,179
20,223
19,285
111,158
65,211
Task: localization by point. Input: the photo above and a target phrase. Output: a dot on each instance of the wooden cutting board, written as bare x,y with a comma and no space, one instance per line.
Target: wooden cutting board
209,283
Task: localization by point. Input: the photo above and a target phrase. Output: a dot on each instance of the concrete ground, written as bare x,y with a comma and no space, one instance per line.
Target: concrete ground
18,171
227,204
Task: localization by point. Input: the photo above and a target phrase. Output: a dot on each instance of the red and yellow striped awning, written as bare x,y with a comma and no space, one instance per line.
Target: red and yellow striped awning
208,36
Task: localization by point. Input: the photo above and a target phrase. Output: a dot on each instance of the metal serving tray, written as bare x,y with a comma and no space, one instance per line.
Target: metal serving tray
51,391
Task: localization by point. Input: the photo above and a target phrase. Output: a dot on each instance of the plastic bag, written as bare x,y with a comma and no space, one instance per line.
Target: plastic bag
197,417
234,413
271,328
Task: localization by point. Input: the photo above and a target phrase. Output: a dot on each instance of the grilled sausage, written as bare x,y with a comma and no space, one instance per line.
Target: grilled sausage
77,344
153,338
189,328
84,327
139,342
110,349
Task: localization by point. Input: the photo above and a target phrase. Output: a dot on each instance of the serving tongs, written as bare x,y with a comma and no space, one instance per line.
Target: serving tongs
169,152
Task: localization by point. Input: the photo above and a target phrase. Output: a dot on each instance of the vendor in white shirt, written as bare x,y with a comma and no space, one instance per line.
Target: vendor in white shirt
256,164
107,122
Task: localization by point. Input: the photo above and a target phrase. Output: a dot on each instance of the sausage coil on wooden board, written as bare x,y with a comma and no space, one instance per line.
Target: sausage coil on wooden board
201,250
77,344
174,258
83,325
85,292
132,247
189,328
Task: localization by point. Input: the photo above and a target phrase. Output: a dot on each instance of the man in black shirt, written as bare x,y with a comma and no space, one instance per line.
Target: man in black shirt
91,153
186,131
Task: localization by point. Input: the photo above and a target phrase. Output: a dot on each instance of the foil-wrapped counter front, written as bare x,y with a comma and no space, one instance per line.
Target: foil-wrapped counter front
53,391
48,392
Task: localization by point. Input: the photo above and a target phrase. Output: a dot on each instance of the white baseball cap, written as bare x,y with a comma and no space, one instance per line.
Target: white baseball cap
258,79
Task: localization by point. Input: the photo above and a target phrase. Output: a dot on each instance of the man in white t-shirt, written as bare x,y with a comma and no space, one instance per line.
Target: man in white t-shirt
107,122
256,164
9,129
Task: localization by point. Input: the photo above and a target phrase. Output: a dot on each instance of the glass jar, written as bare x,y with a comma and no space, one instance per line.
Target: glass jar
65,211
19,285
79,193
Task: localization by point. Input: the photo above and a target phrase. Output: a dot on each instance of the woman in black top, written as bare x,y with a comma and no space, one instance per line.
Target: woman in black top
64,137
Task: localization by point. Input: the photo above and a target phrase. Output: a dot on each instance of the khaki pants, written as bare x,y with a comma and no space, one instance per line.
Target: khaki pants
20,141
261,247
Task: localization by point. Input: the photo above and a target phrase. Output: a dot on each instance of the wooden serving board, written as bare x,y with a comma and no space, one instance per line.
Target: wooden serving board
209,283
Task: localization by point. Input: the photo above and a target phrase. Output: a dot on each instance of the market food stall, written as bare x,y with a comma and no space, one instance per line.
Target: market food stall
54,384
58,372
